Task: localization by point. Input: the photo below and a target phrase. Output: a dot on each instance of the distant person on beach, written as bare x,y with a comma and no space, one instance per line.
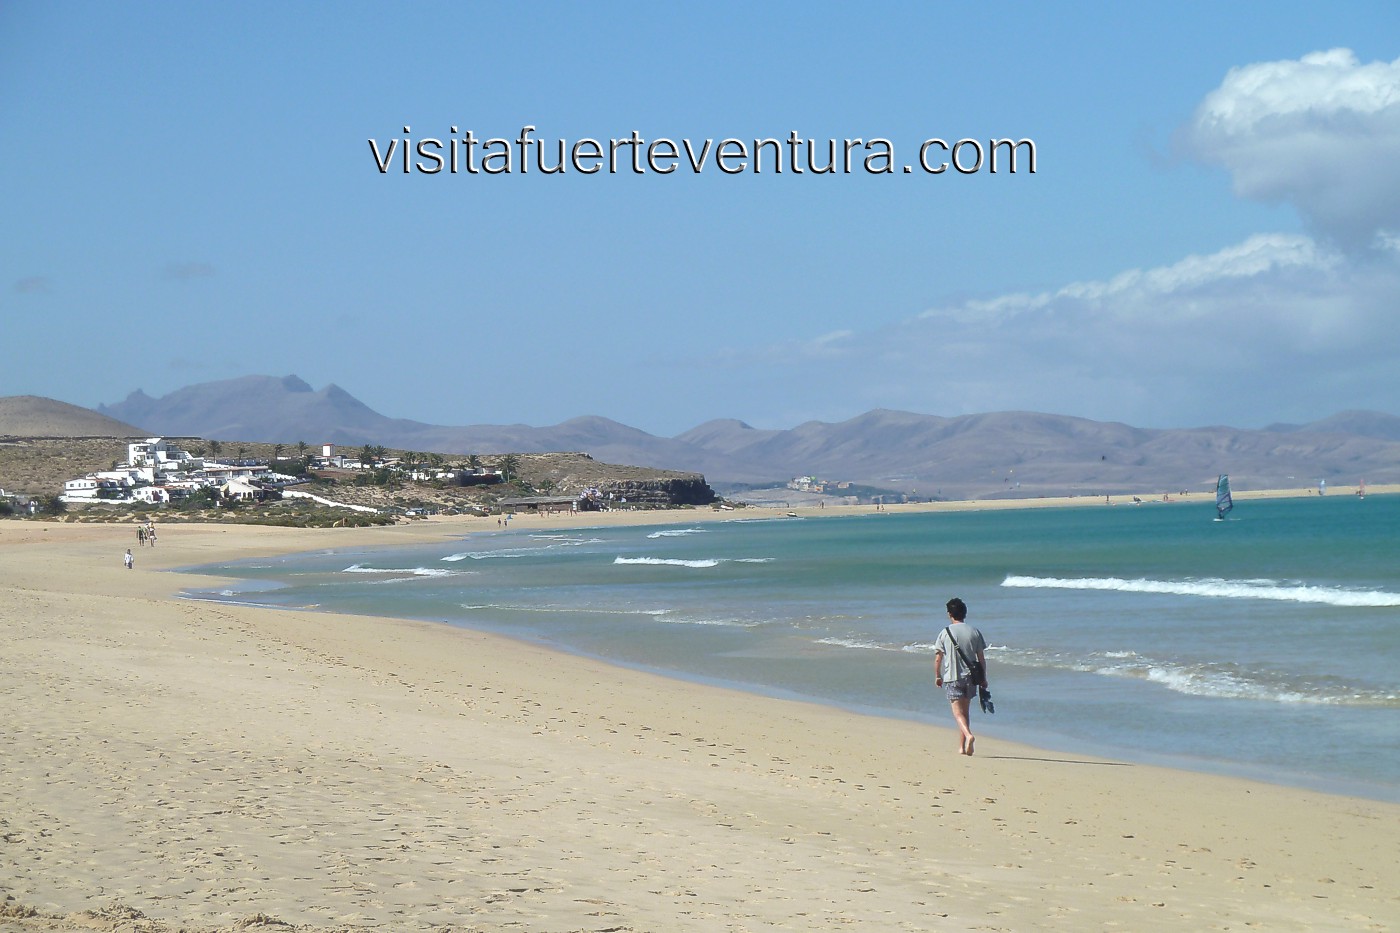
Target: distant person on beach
130,561
141,535
958,647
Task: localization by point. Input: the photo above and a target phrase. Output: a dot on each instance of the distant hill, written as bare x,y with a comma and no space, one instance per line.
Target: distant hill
287,410
34,416
255,408
970,456
1358,423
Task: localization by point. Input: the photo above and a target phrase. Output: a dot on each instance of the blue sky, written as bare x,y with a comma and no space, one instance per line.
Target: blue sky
1212,235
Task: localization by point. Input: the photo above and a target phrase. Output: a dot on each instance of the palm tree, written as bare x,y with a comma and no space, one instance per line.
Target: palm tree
474,462
214,448
367,455
301,449
276,451
508,465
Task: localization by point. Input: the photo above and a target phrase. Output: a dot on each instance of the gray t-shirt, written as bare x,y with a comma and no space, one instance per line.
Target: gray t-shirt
969,639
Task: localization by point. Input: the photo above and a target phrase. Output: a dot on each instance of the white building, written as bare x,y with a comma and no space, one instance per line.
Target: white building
92,488
240,489
157,472
155,453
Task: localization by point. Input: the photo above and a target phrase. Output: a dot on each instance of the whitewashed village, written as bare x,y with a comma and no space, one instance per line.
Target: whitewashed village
157,472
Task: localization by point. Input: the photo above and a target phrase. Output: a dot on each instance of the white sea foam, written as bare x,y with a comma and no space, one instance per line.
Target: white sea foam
1217,588
557,541
1222,681
411,577
699,564
676,532
858,643
415,572
403,571
667,561
723,623
565,540
487,555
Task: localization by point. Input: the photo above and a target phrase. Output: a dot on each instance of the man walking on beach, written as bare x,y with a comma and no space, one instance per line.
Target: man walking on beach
129,559
960,646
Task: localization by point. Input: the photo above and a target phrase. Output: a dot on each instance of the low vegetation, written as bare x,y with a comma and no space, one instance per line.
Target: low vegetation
37,468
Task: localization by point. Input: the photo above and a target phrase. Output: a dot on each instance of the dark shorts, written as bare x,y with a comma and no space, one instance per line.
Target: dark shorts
961,689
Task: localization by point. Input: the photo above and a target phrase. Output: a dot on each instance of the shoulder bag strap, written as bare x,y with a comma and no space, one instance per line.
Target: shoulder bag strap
971,668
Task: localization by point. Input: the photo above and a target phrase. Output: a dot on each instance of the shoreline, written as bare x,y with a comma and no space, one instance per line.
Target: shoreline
204,763
1047,742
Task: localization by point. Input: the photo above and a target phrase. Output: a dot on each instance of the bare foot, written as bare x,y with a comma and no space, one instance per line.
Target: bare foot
967,746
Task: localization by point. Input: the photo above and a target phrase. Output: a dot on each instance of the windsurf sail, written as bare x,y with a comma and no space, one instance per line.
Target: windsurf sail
1223,502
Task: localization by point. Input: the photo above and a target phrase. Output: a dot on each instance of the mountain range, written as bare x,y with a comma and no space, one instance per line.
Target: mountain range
969,456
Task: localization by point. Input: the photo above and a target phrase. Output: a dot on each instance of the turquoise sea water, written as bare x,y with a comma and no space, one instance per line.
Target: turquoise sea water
1267,645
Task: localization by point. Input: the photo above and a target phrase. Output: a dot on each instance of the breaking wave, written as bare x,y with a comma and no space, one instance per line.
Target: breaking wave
403,571
668,561
1217,589
1224,681
676,532
701,563
556,541
859,643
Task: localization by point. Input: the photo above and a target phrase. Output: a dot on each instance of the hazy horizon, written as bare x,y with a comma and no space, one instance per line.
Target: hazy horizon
1210,235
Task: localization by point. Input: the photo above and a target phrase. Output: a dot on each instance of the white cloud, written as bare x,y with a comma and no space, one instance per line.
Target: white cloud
1129,290
1322,133
1278,327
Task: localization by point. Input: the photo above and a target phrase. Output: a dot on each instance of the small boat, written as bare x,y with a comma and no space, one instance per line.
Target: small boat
1361,489
1223,502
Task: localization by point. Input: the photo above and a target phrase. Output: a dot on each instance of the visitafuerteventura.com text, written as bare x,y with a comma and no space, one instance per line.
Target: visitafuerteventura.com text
465,153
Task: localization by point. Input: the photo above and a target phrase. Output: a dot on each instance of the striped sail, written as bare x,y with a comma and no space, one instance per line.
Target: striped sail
1223,502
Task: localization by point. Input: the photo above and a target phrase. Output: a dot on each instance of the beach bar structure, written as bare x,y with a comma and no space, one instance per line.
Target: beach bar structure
540,504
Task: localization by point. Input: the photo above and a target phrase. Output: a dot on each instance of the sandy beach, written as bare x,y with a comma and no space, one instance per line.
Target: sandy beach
169,765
